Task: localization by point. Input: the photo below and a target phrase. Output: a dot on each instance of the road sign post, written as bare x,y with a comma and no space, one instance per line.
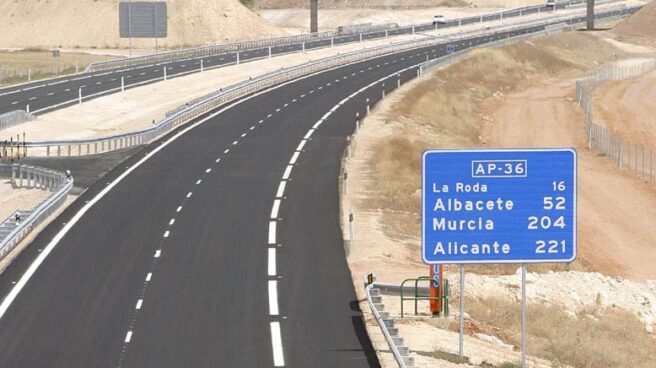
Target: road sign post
499,206
435,289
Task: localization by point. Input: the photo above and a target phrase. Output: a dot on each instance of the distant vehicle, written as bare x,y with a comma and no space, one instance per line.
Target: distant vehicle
439,19
551,3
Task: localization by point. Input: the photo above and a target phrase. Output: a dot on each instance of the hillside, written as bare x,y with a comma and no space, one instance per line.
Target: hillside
641,27
397,4
94,23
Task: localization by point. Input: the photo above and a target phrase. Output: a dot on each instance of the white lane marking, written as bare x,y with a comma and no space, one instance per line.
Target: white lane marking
51,93
227,150
217,160
34,266
312,91
294,158
309,134
288,171
179,209
251,128
316,125
82,86
243,135
35,87
128,337
275,209
285,105
272,232
56,83
157,253
260,122
145,73
270,115
328,84
276,342
166,234
172,222
97,83
11,92
294,100
199,181
208,171
320,87
272,262
139,303
281,189
189,195
149,276
32,98
301,145
67,90
302,96
278,110
235,143
273,298
14,103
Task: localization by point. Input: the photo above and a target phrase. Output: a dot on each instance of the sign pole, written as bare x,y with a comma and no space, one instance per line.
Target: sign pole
461,349
523,315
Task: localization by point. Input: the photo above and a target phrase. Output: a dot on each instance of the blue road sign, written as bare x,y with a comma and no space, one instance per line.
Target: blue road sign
450,48
499,206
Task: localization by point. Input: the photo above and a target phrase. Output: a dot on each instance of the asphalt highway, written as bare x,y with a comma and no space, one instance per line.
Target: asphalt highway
222,249
51,94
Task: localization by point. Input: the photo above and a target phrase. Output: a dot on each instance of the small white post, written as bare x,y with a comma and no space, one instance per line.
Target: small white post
77,67
368,107
383,91
165,73
27,109
202,68
269,51
360,37
79,95
357,122
332,42
386,34
122,84
304,47
237,57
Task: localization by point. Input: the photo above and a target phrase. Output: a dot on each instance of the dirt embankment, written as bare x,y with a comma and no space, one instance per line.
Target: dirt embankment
398,4
640,28
516,96
627,108
94,23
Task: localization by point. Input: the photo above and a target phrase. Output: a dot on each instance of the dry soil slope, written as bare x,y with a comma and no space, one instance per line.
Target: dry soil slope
94,23
281,4
641,27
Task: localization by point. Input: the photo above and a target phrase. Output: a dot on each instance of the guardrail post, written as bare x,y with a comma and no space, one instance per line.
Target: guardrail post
332,42
237,57
165,73
357,122
122,84
201,65
304,47
368,106
95,147
481,19
79,95
386,34
69,150
360,37
269,51
58,150
398,80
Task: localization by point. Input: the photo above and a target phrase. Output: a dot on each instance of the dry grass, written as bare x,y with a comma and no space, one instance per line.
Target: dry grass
596,338
444,111
14,64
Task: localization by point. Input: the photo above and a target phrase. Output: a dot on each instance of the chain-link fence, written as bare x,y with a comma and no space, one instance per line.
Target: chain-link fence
626,154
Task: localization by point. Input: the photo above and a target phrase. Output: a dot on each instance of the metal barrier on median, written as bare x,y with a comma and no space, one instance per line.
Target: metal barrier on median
15,117
626,154
221,97
13,231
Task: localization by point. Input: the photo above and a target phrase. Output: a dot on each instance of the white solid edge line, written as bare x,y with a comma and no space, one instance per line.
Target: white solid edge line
198,181
309,133
281,189
128,337
11,296
273,298
272,262
276,342
272,232
189,194
301,145
275,209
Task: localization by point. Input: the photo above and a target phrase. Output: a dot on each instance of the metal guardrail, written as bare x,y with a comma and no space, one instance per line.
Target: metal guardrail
36,177
399,350
211,101
15,117
626,154
205,51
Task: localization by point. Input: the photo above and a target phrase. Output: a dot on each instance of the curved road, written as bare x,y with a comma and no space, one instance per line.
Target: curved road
222,249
